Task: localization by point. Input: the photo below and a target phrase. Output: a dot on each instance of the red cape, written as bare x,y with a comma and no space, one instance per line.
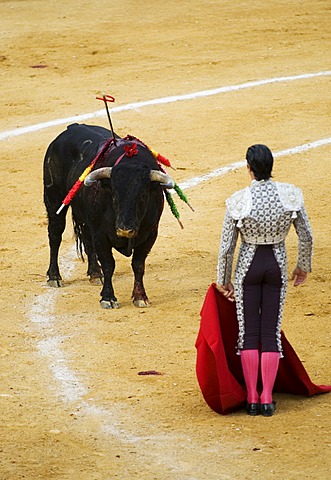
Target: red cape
218,366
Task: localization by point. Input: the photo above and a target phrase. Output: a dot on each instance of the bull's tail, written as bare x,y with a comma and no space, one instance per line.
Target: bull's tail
79,238
84,246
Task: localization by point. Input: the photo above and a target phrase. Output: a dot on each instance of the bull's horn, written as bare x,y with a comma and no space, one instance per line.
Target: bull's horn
164,179
92,177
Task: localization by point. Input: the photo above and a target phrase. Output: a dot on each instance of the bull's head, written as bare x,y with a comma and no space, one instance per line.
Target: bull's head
129,199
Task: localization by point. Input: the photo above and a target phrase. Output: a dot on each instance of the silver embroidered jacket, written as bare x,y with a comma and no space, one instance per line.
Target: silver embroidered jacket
262,214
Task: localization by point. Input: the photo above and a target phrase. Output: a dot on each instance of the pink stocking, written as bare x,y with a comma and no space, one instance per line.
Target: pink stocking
250,366
269,368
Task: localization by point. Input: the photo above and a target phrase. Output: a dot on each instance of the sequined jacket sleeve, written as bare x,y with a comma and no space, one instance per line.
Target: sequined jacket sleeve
227,248
305,236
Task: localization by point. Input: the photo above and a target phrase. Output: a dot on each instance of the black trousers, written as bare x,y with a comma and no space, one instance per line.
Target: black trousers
262,287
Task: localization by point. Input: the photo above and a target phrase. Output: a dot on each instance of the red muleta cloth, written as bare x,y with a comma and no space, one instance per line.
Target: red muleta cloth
218,367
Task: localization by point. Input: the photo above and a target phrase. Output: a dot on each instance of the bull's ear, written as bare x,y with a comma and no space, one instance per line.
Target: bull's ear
98,174
164,179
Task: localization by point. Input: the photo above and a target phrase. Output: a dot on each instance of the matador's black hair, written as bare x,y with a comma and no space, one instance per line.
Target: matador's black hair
260,159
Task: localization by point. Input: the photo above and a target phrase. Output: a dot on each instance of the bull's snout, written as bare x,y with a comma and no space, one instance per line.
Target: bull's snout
127,233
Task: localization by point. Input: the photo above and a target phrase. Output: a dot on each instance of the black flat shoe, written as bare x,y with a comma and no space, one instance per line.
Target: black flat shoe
267,409
253,409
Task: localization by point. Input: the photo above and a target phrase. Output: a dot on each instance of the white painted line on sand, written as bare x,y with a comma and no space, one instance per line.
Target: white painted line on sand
159,101
193,182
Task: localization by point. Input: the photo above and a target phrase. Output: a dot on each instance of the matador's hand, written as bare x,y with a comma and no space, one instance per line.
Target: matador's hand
227,290
299,276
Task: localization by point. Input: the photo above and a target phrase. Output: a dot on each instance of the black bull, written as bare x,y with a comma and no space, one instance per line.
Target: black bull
118,207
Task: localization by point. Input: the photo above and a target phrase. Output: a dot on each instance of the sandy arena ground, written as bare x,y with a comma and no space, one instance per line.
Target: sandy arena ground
72,405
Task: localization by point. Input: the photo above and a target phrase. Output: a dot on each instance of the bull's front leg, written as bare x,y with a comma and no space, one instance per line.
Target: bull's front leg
139,295
108,299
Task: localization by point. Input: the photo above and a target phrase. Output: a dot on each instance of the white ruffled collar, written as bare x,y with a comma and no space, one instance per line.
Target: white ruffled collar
256,183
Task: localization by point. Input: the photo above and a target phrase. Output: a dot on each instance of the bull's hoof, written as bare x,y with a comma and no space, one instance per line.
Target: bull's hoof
96,281
141,303
109,304
55,283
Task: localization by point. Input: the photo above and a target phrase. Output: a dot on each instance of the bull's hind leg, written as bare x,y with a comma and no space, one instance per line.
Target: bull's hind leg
56,226
53,194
